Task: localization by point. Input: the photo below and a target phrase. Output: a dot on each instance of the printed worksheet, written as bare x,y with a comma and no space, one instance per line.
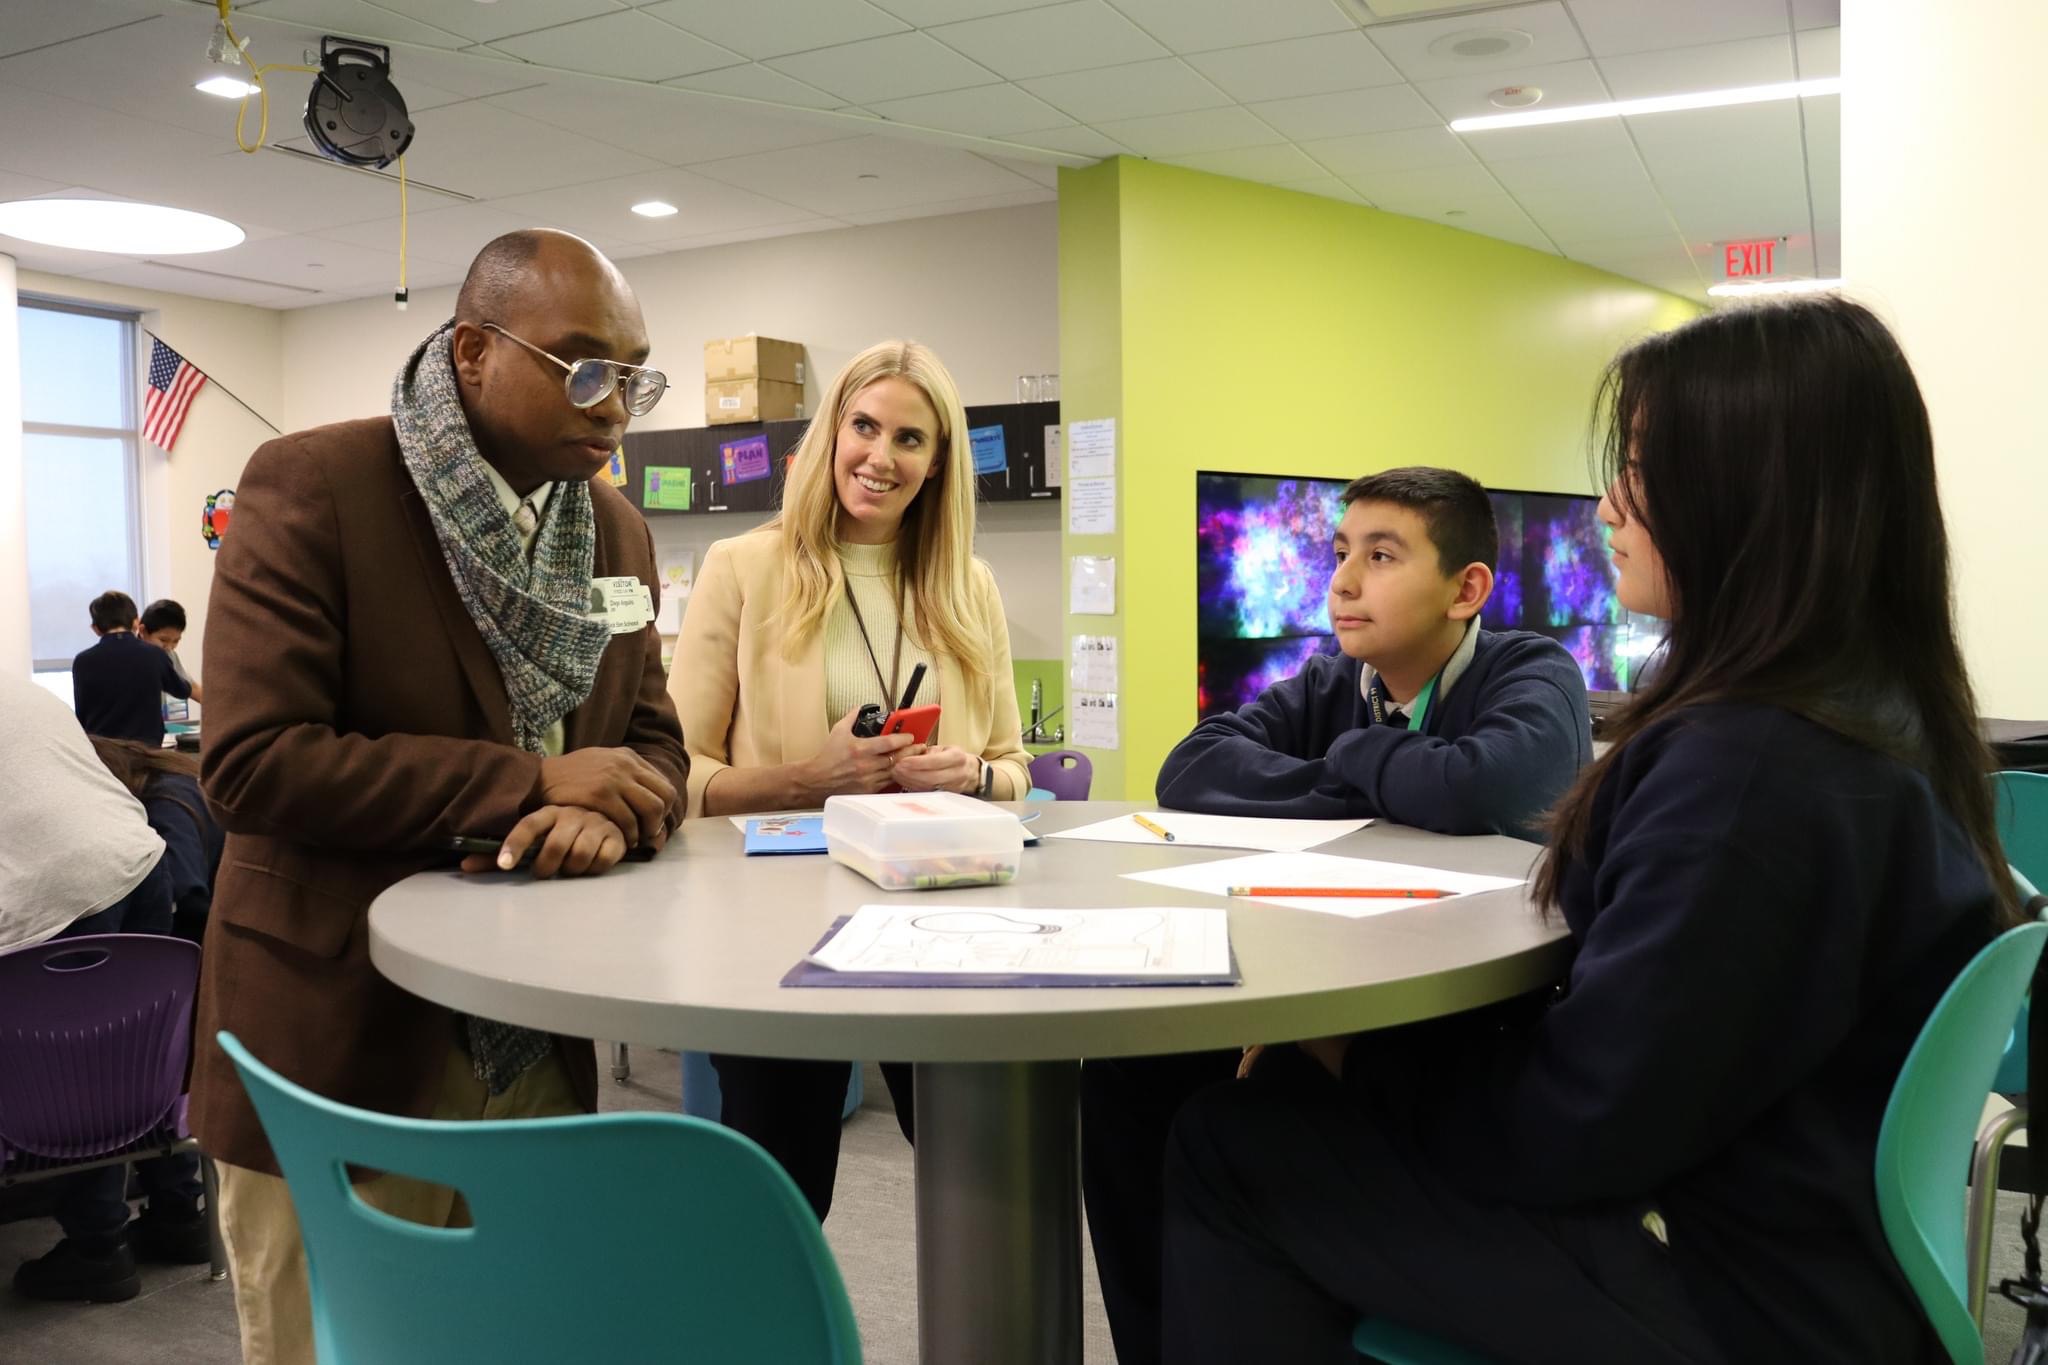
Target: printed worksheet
1161,941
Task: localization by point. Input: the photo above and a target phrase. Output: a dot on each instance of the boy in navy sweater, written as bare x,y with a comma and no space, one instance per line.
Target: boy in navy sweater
1425,719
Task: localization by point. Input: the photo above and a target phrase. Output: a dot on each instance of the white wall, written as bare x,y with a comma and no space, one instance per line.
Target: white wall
981,289
239,347
1943,119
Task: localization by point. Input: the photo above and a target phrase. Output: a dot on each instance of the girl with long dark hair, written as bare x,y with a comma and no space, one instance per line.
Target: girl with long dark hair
1768,881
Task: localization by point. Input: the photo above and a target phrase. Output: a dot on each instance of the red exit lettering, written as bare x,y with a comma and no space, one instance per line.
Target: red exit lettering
1743,259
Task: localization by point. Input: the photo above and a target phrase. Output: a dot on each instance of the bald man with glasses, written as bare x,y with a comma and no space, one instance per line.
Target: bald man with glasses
402,649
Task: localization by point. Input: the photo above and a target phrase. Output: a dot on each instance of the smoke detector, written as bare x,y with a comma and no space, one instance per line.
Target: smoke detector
1516,96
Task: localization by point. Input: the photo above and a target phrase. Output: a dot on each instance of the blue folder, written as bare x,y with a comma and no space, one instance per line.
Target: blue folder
778,834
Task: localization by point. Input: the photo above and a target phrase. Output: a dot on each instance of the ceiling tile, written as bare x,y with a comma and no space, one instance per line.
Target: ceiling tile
896,67
1715,66
1823,141
1816,14
37,26
1380,110
603,208
1140,90
1199,130
480,23
1827,255
319,263
1615,211
756,82
1612,170
992,201
1325,187
1820,53
1075,141
1429,190
1267,165
1039,172
927,13
983,111
355,18
204,283
46,131
1205,25
1616,26
1733,172
1589,138
666,123
774,28
828,179
1319,65
470,74
451,234
1407,150
486,152
626,46
747,235
1536,35
1487,215
1044,42
14,186
1563,84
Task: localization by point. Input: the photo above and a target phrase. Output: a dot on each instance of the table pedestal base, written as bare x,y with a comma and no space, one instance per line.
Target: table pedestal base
998,1213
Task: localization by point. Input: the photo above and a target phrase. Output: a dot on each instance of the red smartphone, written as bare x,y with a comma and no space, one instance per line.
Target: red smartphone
917,721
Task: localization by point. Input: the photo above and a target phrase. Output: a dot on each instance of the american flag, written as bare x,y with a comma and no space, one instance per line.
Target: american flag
173,380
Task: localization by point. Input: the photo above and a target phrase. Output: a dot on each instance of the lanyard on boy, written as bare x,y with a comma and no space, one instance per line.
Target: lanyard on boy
1418,710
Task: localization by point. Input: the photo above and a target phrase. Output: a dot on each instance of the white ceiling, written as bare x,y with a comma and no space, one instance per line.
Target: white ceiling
764,117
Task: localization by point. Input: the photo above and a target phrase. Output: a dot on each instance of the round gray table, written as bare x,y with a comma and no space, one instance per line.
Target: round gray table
687,951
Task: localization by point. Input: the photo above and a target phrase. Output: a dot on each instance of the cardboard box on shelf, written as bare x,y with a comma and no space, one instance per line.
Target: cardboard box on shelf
754,357
752,400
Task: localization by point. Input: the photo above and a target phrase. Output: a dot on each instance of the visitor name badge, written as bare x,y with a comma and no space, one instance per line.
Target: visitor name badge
623,604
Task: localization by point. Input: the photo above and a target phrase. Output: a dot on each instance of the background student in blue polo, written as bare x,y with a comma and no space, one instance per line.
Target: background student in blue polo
1424,719
118,685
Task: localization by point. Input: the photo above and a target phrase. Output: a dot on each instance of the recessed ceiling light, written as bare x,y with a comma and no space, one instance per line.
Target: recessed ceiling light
654,208
1656,104
227,87
1743,288
116,225
1481,44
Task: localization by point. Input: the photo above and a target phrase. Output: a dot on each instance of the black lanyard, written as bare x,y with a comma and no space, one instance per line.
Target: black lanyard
895,660
1377,700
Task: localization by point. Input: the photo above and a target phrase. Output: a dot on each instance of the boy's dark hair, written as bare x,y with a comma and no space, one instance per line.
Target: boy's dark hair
1454,508
163,614
113,611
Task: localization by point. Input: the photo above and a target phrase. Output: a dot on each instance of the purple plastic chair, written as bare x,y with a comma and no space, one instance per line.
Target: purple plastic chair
95,1038
1064,773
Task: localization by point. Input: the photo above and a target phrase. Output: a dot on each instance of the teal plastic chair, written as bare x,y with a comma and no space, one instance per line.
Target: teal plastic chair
639,1237
2023,823
1393,1344
1930,1127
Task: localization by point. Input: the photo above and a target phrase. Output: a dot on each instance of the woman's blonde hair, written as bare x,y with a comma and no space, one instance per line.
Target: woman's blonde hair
935,545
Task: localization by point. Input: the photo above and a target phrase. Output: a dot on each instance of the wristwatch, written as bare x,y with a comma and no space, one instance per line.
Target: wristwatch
988,780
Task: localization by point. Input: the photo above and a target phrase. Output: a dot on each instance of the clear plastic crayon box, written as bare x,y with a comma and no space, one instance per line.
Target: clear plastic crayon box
924,841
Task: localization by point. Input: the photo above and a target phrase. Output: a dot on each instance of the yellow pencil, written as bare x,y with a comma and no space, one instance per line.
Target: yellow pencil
1165,834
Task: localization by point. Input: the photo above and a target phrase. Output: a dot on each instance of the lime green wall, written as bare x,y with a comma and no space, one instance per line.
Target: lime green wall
1239,327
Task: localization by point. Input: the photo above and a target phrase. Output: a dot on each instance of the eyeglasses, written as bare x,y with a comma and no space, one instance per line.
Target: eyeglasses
590,382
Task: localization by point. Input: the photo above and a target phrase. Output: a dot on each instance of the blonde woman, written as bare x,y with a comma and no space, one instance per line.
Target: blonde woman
868,572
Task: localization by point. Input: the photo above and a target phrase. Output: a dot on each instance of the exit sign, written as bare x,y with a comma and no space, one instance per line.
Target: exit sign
1744,259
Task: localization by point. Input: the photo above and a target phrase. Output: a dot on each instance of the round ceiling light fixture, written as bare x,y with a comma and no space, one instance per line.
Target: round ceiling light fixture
1482,44
117,225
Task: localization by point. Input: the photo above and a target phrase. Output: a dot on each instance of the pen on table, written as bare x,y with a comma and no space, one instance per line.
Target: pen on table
1159,830
1416,893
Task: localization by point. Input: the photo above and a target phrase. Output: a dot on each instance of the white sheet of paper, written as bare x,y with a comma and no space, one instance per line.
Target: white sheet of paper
1216,831
740,822
1091,507
1321,869
1094,720
1093,665
1055,462
1091,449
677,575
1004,940
1091,590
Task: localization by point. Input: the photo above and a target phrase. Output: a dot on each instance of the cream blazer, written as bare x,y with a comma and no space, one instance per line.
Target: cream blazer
744,705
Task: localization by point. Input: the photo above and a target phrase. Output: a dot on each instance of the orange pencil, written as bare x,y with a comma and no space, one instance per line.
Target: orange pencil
1416,893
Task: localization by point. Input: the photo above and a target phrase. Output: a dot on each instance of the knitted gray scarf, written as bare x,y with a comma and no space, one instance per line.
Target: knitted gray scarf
534,617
